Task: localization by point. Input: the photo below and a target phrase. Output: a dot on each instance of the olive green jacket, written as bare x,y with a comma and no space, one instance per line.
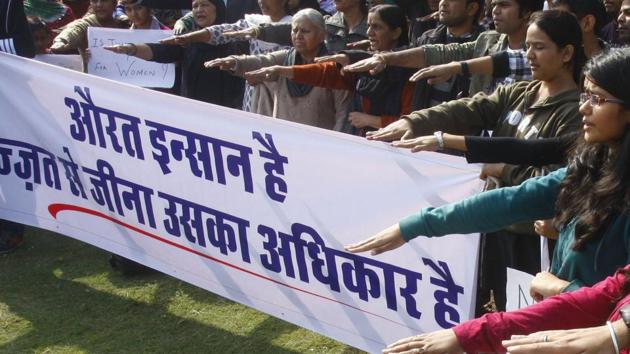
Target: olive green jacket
488,42
509,112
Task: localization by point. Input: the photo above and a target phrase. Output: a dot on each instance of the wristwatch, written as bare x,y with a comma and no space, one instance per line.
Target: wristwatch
465,69
440,139
624,312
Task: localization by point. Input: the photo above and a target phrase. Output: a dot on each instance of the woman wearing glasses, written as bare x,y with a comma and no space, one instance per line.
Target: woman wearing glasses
590,200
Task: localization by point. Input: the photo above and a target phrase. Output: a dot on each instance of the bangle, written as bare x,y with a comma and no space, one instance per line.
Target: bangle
135,49
465,69
256,32
613,336
440,138
382,57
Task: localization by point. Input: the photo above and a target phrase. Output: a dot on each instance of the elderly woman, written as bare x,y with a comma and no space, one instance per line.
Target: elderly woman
293,101
377,101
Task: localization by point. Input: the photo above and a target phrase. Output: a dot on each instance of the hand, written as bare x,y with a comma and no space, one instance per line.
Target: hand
182,39
491,170
127,49
546,229
399,130
384,241
270,73
546,284
60,47
337,58
439,342
362,120
374,65
244,34
437,73
594,340
423,143
363,45
227,63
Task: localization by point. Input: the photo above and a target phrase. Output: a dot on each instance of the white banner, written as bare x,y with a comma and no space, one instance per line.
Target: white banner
254,209
125,68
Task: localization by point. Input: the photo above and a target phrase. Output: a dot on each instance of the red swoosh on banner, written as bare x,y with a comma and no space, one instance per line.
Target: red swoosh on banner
56,208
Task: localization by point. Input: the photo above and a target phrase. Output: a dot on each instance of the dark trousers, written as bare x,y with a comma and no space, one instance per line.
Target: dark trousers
499,250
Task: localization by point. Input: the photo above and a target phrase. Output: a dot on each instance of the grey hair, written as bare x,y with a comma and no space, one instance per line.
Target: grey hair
313,16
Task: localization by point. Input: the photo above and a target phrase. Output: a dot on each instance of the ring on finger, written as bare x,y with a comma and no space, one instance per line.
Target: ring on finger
545,339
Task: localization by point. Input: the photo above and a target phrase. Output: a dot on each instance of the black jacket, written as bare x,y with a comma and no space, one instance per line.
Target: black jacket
197,82
15,35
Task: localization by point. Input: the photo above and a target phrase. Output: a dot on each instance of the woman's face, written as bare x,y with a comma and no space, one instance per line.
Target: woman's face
139,15
305,36
204,12
544,56
380,35
103,9
603,122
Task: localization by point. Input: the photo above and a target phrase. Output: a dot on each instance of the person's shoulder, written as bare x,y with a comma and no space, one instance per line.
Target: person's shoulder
490,36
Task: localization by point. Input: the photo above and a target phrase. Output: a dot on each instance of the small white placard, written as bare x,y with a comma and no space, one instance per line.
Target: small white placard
125,68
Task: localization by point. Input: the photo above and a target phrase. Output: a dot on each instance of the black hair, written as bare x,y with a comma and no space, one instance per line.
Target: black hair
597,185
306,4
582,8
220,9
530,6
363,5
563,29
480,4
394,17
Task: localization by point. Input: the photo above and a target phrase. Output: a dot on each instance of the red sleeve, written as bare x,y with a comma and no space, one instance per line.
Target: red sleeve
325,74
585,307
407,98
405,105
387,120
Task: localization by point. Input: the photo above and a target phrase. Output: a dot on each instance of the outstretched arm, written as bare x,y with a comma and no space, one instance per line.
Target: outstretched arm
142,51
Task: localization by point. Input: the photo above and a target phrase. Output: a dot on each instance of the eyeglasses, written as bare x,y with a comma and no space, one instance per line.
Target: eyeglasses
596,100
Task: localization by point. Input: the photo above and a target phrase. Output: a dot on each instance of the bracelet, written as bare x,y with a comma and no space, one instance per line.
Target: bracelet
135,49
613,336
382,57
465,69
440,138
256,32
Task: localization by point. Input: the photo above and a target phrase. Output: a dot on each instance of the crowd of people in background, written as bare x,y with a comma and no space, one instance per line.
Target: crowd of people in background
536,90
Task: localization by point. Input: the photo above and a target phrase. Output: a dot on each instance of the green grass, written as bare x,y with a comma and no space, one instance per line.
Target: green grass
58,295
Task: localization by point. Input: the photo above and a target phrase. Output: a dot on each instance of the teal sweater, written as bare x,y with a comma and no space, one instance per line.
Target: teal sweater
533,199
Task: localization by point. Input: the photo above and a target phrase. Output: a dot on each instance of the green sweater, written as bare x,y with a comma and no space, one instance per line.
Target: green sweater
534,199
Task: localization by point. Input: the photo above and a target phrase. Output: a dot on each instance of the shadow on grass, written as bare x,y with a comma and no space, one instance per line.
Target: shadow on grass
42,283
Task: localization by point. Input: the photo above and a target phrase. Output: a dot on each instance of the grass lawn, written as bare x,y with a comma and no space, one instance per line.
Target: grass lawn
58,295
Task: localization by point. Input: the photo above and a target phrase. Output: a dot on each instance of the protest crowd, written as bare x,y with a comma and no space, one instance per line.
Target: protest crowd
535,90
